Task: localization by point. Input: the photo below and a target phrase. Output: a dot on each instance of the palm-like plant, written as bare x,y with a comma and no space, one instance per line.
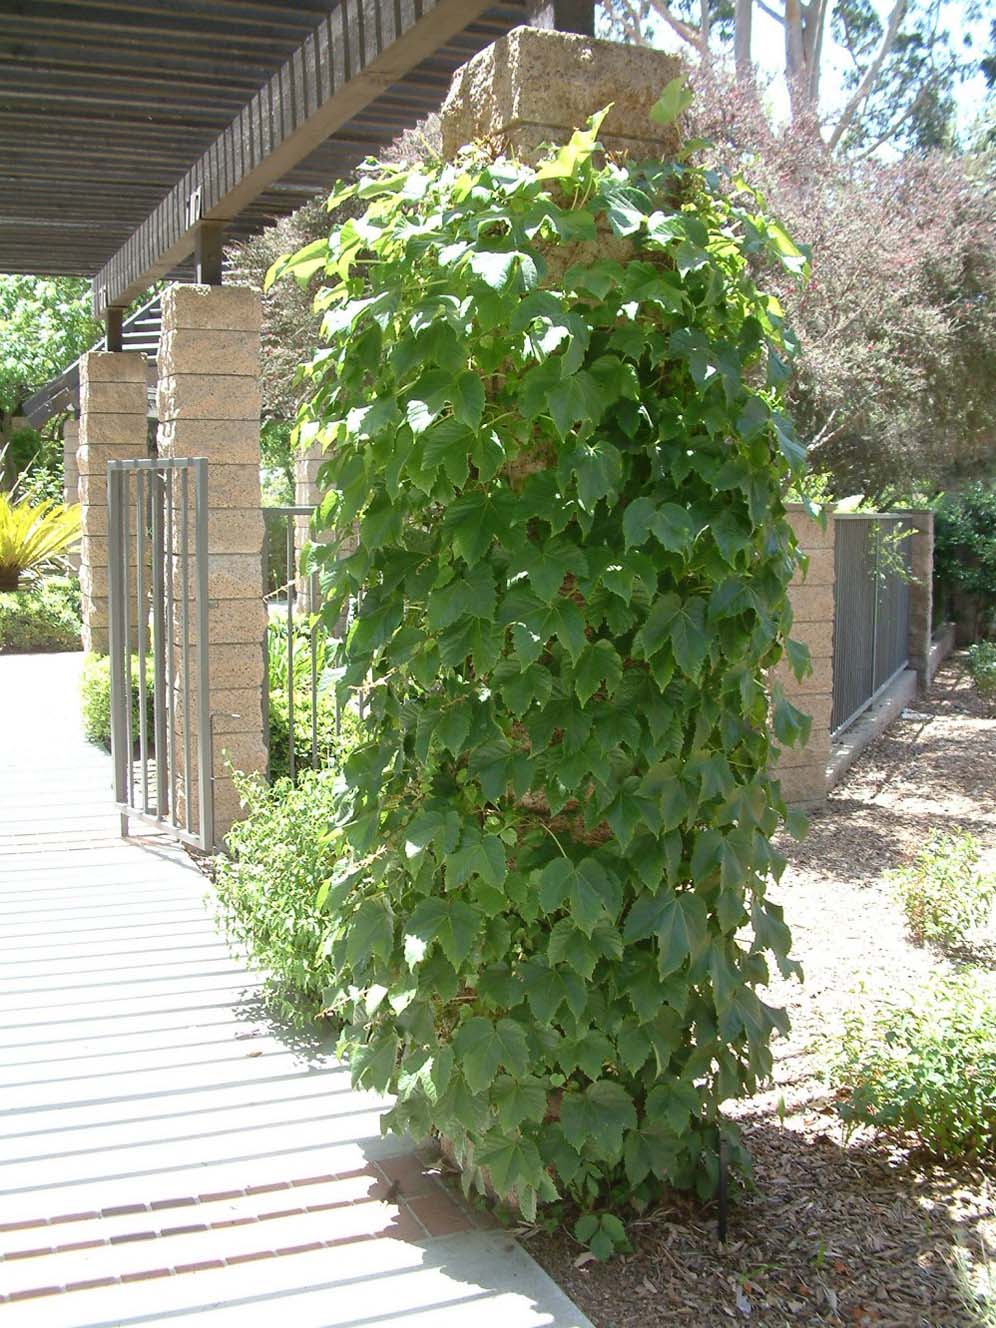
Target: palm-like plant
33,538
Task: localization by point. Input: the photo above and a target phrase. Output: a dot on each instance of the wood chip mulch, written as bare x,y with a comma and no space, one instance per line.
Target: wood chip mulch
858,1230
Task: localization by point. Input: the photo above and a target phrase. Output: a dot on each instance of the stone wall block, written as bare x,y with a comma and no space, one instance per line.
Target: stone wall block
820,571
817,683
208,397
811,533
233,441
216,308
120,429
111,366
811,604
538,85
210,351
232,486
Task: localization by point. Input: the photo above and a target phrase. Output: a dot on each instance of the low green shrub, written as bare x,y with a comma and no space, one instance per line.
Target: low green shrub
280,855
942,894
981,662
926,1068
95,694
335,733
965,548
44,617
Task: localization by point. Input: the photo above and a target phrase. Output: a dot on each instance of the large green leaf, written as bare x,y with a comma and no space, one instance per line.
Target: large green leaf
483,1046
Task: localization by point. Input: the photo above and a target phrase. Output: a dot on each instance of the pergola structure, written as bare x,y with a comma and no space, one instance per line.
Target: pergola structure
136,135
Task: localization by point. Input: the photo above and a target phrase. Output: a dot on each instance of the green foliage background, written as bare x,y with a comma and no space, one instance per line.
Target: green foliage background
41,617
551,400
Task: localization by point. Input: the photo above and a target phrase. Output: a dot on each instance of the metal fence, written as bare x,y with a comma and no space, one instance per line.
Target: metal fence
303,717
871,609
157,538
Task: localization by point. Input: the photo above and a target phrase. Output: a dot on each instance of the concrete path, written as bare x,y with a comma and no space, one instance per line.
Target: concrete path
168,1153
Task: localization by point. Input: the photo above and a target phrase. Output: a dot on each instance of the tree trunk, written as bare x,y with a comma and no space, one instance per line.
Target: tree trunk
742,18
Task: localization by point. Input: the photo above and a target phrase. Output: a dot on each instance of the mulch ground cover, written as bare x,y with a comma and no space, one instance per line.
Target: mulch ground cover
840,1229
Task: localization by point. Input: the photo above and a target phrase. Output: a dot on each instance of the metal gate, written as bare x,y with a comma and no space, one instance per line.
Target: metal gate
871,610
161,746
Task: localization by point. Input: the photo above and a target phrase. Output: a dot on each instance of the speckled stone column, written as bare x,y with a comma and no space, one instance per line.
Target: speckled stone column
70,464
209,404
113,427
803,771
921,544
71,477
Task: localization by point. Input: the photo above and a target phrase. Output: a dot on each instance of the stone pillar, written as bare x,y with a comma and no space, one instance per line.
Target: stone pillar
921,629
209,403
306,494
70,465
803,771
537,85
71,478
113,426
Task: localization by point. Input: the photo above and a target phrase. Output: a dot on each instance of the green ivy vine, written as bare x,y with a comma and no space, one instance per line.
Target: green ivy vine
550,396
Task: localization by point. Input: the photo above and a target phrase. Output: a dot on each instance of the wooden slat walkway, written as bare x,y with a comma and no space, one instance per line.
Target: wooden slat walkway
167,1152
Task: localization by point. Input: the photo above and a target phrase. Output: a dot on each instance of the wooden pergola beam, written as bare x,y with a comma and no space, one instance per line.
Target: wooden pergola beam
354,54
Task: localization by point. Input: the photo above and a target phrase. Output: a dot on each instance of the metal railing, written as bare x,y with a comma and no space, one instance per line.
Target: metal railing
157,537
291,639
871,609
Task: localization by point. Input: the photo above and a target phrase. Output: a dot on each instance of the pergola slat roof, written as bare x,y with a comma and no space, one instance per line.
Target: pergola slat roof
126,122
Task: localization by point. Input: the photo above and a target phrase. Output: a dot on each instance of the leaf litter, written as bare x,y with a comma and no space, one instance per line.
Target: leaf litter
852,1230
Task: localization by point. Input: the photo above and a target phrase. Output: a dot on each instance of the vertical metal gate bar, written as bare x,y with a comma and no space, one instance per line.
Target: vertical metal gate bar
876,527
157,503
124,519
117,643
168,480
290,568
313,600
185,651
141,623
165,643
204,743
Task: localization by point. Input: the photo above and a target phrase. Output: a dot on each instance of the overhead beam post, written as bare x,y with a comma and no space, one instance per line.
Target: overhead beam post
564,15
114,327
209,248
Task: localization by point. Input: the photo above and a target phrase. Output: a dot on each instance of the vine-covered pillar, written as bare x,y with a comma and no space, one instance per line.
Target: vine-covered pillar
113,427
209,406
803,770
537,85
921,543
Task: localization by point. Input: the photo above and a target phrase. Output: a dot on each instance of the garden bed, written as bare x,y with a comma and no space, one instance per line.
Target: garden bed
840,1231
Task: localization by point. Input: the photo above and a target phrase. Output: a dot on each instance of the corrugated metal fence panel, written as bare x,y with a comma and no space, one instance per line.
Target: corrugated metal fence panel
854,618
892,636
871,610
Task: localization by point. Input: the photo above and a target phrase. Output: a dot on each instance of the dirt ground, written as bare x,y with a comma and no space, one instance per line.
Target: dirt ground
840,1231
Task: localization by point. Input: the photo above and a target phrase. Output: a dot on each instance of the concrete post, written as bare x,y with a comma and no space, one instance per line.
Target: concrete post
209,404
803,771
113,427
921,544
